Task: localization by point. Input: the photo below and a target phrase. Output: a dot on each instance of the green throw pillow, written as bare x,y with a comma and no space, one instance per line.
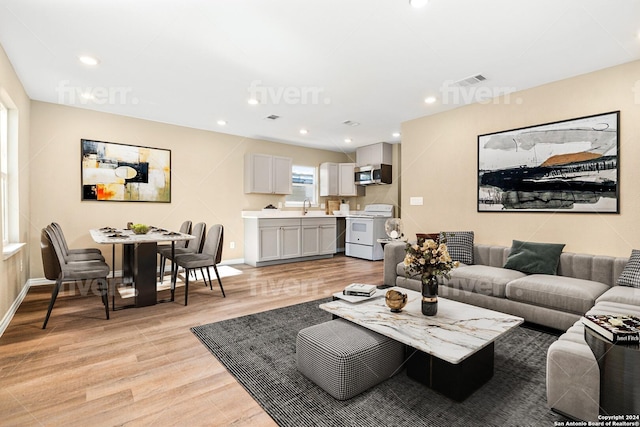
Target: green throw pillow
534,258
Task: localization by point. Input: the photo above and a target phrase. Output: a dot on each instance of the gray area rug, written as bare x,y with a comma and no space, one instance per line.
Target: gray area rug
259,350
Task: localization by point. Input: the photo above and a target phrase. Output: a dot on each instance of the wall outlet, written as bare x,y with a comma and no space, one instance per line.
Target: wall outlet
322,206
21,267
358,206
416,201
279,205
232,245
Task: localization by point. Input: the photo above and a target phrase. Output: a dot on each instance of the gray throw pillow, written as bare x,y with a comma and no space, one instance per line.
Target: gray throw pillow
534,258
459,245
631,274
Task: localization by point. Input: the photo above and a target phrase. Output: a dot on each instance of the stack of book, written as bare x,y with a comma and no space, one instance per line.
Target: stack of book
360,290
619,329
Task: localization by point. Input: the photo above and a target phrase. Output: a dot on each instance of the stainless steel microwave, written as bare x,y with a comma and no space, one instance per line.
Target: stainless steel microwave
373,174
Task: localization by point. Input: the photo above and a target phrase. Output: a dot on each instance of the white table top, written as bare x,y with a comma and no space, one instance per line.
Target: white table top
125,236
455,333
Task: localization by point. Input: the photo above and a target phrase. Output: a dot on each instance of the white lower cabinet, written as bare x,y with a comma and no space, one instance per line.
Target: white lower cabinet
270,240
318,236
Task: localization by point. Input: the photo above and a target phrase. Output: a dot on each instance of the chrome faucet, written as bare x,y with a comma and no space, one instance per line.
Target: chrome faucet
305,209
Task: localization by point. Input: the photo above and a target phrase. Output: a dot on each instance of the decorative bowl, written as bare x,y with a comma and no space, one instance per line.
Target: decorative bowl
395,300
140,228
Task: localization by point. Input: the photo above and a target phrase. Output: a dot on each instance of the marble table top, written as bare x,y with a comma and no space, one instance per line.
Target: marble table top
113,235
455,333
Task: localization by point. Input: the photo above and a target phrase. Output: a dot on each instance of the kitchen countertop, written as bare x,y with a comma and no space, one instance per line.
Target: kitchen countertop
277,213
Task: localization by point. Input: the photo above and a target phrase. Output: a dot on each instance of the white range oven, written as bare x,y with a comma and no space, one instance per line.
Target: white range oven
364,228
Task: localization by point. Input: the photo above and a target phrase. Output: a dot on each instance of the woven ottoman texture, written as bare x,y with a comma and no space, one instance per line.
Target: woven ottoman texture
345,359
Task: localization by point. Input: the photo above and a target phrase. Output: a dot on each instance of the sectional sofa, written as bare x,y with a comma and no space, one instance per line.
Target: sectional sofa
583,283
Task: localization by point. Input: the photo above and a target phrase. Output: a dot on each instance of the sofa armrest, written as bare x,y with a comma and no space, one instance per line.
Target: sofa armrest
393,254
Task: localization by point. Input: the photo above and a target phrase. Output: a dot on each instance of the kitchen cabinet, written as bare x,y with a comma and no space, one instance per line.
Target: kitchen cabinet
277,240
374,154
318,236
337,179
346,181
329,179
264,173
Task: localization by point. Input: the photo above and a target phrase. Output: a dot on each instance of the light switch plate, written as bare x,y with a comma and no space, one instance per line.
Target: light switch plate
416,201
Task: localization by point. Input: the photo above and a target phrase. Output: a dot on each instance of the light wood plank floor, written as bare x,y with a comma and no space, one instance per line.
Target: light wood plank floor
144,366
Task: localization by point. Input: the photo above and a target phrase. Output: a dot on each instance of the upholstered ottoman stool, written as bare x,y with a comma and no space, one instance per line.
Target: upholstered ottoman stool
345,359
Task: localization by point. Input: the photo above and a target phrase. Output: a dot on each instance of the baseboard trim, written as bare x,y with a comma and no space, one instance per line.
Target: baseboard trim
4,324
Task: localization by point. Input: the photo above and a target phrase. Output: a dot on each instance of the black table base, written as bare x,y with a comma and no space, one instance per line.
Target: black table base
456,381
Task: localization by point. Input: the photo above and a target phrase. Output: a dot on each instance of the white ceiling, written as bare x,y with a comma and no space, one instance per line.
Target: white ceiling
315,63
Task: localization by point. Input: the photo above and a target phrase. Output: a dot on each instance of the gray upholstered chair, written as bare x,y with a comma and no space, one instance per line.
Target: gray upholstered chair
57,268
80,254
210,256
195,246
165,250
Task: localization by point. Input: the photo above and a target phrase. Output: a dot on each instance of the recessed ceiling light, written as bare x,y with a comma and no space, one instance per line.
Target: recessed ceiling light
396,134
304,131
89,60
418,3
348,140
430,99
222,122
253,101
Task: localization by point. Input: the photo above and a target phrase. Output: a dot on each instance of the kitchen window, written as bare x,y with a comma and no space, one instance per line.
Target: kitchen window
304,186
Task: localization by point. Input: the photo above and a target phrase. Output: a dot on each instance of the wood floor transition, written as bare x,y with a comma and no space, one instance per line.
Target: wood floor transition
144,366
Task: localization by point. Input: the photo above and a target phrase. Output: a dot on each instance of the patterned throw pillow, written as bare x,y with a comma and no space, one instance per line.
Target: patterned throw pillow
631,274
460,245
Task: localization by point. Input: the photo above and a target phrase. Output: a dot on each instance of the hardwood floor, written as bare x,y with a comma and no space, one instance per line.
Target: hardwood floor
144,366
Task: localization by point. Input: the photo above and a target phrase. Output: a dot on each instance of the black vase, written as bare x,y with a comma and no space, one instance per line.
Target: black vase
429,295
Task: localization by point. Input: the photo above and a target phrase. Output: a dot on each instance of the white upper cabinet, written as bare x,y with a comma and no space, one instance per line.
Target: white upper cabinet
337,179
329,179
264,173
374,154
346,181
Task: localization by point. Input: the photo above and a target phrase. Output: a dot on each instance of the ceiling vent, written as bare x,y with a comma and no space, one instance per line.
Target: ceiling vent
350,123
469,81
272,117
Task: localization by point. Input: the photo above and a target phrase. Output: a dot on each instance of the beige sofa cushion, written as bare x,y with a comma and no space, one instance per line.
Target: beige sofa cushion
482,279
557,292
621,294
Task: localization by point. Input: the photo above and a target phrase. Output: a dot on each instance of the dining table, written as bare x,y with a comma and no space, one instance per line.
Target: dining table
139,257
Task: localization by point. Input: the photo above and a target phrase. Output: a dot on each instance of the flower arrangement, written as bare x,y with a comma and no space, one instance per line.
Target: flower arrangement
428,258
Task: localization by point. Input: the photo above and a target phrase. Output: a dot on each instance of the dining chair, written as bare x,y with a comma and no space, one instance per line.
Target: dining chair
163,250
80,254
210,256
57,268
195,246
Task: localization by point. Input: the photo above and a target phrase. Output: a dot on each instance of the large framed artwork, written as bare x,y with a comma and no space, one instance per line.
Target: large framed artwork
565,166
125,173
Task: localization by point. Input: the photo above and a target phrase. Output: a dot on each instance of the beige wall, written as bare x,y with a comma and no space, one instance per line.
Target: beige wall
439,163
207,176
14,271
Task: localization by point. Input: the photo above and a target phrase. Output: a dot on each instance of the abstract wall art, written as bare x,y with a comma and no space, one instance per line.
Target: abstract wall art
565,166
124,173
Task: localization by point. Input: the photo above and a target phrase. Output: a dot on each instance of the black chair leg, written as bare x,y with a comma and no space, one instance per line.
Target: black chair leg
103,285
219,281
208,277
186,286
174,278
163,264
54,295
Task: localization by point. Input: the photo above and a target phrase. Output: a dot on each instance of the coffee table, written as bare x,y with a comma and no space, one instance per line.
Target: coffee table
451,352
